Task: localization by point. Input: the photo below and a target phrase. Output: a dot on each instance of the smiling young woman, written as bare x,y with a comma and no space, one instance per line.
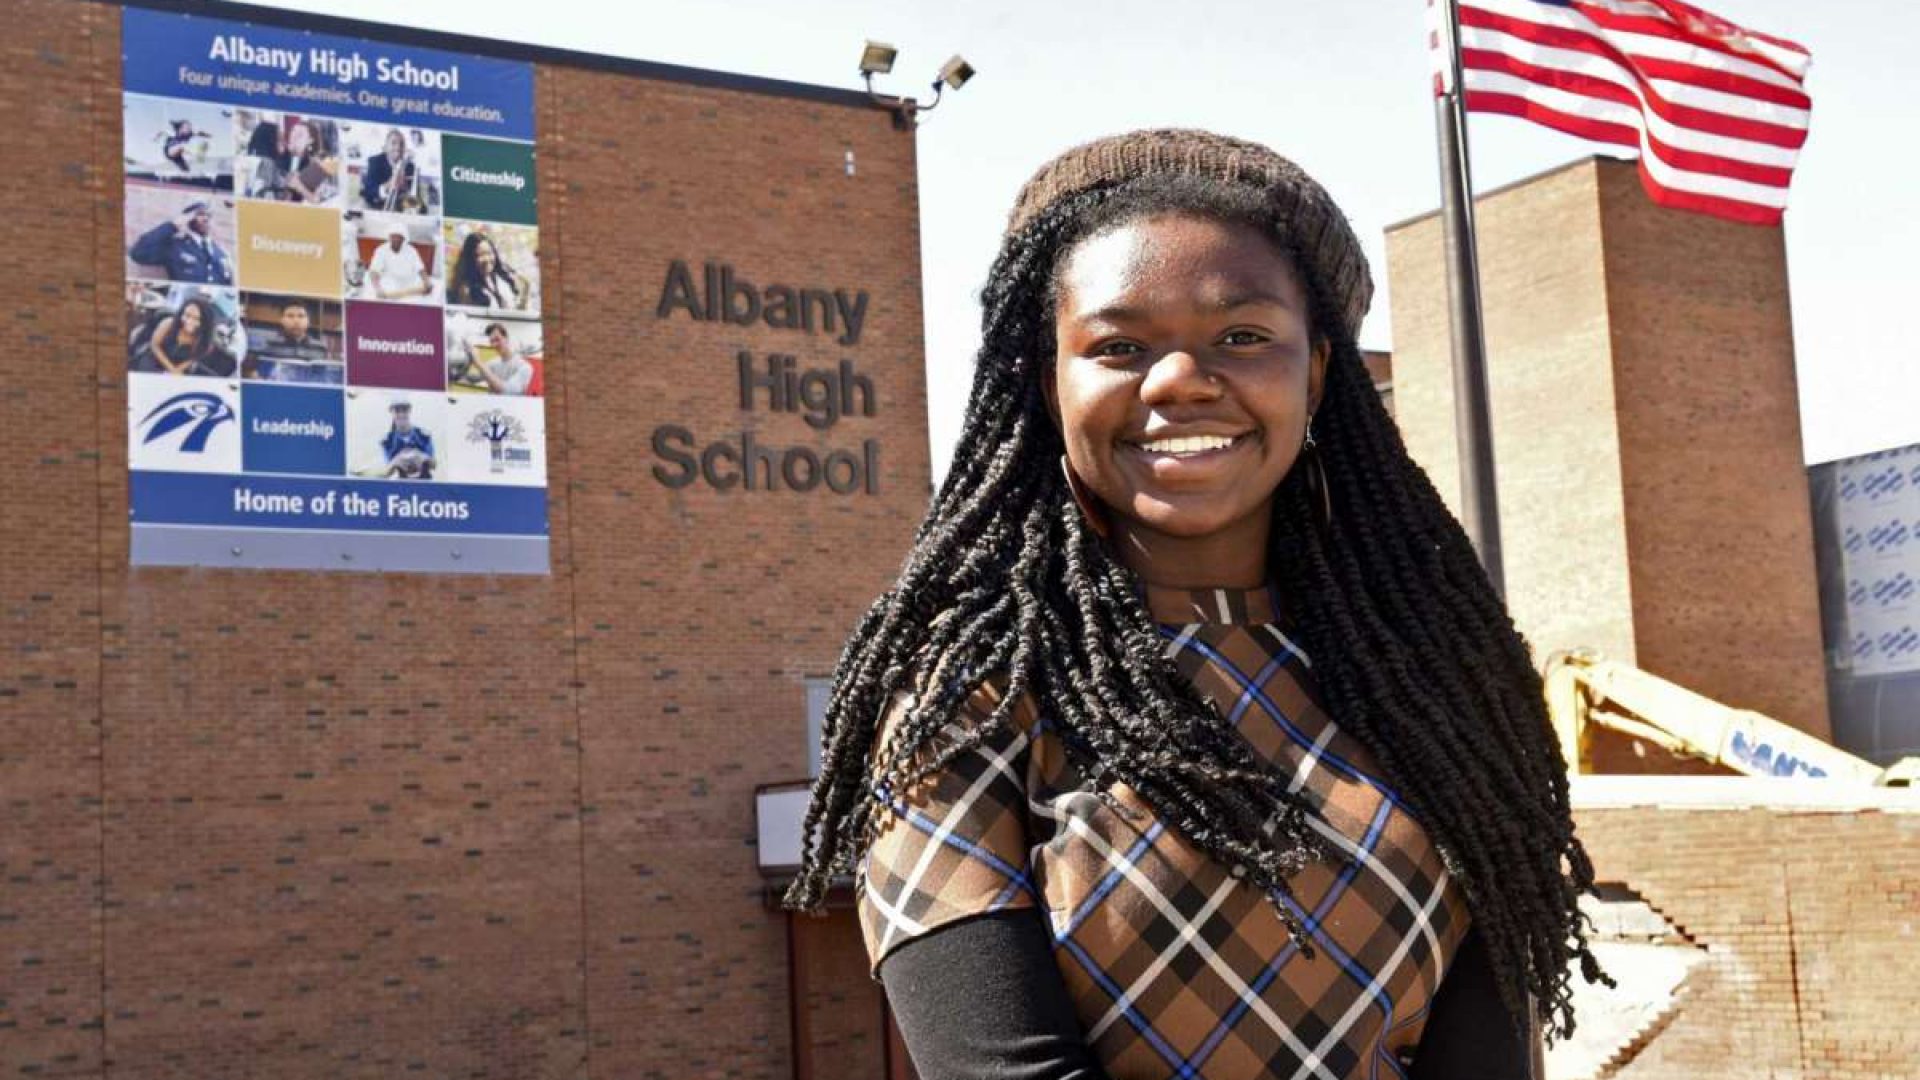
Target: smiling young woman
1192,740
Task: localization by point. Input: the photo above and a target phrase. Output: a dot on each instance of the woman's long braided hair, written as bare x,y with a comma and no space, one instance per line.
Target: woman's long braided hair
1414,653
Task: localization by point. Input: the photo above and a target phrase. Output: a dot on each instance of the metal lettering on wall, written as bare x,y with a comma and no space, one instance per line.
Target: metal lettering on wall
775,382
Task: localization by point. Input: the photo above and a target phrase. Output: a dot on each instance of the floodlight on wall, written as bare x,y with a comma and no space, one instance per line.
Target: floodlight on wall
954,73
877,59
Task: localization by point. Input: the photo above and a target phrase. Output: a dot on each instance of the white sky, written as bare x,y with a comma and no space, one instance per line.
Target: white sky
1338,85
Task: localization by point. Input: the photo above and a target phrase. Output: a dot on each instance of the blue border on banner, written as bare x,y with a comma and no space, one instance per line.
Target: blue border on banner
335,504
173,55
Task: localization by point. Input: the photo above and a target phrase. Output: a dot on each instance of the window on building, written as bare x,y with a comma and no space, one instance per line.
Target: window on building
818,690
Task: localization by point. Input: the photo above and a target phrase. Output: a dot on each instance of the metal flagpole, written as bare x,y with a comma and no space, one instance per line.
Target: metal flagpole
1479,504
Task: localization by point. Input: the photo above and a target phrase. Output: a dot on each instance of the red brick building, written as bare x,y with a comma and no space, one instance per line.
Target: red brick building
270,823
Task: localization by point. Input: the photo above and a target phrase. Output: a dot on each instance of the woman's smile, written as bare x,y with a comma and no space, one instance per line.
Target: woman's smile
1175,457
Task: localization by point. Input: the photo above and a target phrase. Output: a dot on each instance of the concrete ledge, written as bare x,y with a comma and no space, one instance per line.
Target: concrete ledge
1737,793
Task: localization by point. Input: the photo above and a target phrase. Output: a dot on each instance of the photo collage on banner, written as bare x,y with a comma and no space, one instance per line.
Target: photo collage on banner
334,349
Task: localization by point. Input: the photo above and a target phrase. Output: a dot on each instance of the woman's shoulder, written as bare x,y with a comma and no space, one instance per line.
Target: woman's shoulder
984,706
983,698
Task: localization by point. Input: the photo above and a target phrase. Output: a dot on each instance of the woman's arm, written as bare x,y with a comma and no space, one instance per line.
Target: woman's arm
1470,1035
982,998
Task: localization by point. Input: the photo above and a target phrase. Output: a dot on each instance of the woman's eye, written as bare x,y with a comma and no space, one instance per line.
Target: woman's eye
1243,337
1114,348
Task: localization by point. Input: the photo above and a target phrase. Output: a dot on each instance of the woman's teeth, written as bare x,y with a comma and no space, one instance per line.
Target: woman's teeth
1188,444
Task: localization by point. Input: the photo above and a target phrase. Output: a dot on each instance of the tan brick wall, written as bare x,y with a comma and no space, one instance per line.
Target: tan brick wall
1807,918
1557,462
294,824
1653,501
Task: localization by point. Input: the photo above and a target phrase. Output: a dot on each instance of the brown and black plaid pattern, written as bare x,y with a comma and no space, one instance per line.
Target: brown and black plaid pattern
1177,968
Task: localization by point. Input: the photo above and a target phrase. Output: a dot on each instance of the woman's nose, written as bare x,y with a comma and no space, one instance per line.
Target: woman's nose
1179,375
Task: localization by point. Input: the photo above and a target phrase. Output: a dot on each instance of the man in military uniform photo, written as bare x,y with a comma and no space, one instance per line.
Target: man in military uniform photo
184,247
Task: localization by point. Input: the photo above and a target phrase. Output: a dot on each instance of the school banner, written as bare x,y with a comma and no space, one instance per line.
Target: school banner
333,339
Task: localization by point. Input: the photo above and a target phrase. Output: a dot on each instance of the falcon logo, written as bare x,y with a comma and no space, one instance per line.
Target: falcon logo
197,411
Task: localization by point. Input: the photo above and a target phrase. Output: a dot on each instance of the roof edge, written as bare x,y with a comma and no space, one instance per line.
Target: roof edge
1790,795
509,50
1502,189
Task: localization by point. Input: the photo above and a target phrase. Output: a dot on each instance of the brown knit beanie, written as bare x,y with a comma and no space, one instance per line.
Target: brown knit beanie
1304,210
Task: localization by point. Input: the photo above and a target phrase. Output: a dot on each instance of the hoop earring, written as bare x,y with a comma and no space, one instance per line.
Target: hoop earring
1089,506
1316,478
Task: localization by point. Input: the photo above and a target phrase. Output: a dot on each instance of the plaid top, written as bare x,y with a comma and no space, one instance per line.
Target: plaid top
1176,967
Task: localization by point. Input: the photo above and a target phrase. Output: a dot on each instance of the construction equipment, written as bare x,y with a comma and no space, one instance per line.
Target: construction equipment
1585,689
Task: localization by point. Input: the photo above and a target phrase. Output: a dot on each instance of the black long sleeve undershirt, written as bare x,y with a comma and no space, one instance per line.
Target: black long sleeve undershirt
982,999
1470,1035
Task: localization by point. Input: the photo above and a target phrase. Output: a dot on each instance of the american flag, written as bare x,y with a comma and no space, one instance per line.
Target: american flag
1716,112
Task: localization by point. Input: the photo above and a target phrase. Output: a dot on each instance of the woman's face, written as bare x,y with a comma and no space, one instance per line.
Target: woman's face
190,320
299,139
1184,372
485,257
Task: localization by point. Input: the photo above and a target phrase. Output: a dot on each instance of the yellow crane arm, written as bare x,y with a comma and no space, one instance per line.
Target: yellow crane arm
1583,688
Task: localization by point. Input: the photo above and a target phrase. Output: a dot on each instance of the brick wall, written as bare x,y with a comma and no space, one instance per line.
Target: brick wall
1805,900
1718,521
1664,520
846,1029
1550,368
293,824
